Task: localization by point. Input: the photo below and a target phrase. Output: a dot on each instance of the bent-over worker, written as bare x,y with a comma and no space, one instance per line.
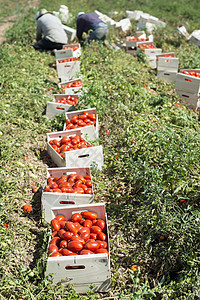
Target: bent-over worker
49,33
91,24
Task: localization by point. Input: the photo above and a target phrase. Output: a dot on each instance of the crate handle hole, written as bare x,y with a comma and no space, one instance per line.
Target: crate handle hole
185,96
84,155
188,79
74,267
60,108
66,202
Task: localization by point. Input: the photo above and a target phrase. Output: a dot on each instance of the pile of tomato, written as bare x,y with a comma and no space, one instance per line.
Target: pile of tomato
83,234
136,39
85,119
69,143
72,183
191,73
168,56
74,48
76,83
68,59
67,100
146,46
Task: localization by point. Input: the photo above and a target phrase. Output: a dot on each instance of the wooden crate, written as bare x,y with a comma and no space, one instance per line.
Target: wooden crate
167,64
188,83
73,90
191,99
82,270
67,70
69,115
76,158
54,108
66,53
167,76
50,200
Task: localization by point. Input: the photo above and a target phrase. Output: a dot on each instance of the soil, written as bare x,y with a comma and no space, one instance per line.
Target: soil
9,21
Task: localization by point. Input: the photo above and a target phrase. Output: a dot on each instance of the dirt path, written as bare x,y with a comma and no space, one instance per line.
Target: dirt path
9,21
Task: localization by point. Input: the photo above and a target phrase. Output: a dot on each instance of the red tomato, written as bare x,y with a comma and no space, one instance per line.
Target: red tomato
62,224
101,236
67,235
101,224
85,252
84,229
66,252
63,244
78,225
102,244
60,218
57,191
55,225
93,236
87,177
65,140
89,191
87,223
69,226
54,233
56,241
55,254
27,208
89,215
60,232
98,251
75,246
81,178
77,238
78,190
95,229
76,217
52,248
88,183
92,246
85,236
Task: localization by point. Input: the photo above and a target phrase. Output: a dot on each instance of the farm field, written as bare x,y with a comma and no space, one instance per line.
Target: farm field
150,139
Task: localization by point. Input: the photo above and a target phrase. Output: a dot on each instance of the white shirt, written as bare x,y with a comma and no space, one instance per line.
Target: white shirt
51,28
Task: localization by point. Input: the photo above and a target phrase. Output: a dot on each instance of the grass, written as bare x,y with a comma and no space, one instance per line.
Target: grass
150,179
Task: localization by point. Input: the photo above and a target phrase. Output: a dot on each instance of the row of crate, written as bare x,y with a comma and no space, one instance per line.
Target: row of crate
187,81
81,271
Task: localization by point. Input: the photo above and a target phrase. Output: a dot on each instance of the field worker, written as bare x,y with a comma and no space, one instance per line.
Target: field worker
91,24
50,33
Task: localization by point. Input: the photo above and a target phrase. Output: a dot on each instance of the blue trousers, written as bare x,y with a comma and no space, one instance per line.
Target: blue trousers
99,32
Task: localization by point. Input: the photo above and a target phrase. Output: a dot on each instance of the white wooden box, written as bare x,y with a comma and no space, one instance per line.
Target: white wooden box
69,115
67,70
133,43
72,90
191,99
82,270
171,54
76,158
50,200
168,64
152,52
188,83
66,53
54,108
167,76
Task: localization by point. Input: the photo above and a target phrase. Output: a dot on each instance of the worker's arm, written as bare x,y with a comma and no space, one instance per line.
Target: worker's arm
38,31
79,29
